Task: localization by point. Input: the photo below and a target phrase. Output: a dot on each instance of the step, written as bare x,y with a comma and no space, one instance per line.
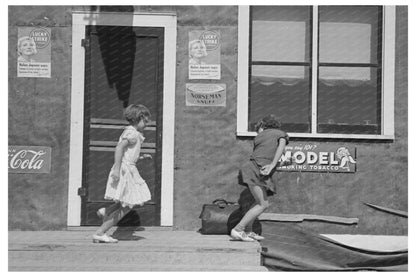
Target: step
143,249
25,266
200,256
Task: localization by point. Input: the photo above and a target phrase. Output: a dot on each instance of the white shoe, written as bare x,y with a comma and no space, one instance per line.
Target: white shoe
255,236
103,239
240,235
112,240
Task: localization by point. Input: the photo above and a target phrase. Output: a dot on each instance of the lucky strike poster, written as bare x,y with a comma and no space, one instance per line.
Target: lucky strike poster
204,55
34,52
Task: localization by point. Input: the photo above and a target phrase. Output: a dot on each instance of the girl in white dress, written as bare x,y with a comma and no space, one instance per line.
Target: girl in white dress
125,186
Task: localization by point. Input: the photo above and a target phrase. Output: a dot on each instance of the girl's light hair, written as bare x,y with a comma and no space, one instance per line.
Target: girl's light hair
134,113
195,41
24,38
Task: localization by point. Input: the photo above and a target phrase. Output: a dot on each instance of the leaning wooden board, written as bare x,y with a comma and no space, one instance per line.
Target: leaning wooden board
302,217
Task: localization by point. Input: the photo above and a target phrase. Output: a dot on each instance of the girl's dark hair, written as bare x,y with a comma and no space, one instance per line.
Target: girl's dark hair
134,113
268,122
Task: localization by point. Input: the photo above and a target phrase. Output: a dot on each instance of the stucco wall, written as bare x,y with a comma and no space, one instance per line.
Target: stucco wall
207,152
39,114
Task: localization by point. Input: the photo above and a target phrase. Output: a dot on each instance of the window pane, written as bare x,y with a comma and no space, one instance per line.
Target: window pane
349,34
280,33
283,91
349,100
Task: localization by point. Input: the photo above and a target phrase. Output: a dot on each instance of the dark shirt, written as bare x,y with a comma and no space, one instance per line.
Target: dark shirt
265,145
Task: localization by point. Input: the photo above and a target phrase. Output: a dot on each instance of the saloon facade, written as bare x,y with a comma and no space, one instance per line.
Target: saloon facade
335,75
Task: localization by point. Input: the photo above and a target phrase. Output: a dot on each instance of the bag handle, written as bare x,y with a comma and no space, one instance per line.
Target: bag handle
222,202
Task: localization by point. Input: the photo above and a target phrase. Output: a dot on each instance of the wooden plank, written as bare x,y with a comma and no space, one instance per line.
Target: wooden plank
108,201
388,210
116,122
120,127
302,217
114,143
111,149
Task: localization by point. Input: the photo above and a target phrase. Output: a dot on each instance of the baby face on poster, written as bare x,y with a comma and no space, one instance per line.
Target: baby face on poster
197,51
26,49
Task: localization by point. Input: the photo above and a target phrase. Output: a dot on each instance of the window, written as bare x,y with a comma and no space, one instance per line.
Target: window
326,71
280,66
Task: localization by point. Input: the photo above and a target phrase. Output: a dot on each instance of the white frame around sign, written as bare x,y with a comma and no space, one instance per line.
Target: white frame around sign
80,20
388,73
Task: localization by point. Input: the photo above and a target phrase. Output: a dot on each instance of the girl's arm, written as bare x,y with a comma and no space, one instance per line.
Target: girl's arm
265,170
117,159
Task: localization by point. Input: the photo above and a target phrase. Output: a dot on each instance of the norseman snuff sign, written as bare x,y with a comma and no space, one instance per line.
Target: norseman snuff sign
319,158
29,159
206,95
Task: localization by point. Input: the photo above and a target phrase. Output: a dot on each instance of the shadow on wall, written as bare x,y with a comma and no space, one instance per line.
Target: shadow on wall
118,49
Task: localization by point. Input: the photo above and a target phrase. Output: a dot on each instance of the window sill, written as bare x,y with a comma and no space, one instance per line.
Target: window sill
328,136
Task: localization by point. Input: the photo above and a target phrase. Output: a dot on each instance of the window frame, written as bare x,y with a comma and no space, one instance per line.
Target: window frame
387,78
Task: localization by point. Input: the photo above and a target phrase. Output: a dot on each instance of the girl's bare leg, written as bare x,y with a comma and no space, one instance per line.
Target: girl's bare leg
249,226
110,209
112,220
260,195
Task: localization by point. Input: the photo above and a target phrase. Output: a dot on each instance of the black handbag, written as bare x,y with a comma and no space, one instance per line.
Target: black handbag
219,217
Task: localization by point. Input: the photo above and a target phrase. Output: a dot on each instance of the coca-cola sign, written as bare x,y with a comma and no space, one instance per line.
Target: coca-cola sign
29,159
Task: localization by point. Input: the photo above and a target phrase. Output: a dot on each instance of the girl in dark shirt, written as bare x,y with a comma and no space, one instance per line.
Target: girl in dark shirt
259,175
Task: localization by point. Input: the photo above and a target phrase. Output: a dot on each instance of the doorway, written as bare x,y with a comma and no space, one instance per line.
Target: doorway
121,59
123,66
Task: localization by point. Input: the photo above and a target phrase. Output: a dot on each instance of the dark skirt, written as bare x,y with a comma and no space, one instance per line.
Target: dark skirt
250,175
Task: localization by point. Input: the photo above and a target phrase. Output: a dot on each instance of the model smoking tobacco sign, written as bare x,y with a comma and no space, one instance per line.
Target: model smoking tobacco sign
319,158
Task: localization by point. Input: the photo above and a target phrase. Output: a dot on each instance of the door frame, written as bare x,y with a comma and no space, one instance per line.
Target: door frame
79,22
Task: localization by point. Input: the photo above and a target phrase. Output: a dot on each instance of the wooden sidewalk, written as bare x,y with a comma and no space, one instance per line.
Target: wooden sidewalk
136,251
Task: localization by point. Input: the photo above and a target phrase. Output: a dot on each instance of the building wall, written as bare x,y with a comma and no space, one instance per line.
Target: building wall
39,114
207,152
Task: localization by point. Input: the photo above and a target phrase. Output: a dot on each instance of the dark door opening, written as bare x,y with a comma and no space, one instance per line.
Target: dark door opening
123,65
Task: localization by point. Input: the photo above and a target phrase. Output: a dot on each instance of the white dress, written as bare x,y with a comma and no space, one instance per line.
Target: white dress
130,189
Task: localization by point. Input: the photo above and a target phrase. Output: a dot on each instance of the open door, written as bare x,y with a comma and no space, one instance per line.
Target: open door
123,66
